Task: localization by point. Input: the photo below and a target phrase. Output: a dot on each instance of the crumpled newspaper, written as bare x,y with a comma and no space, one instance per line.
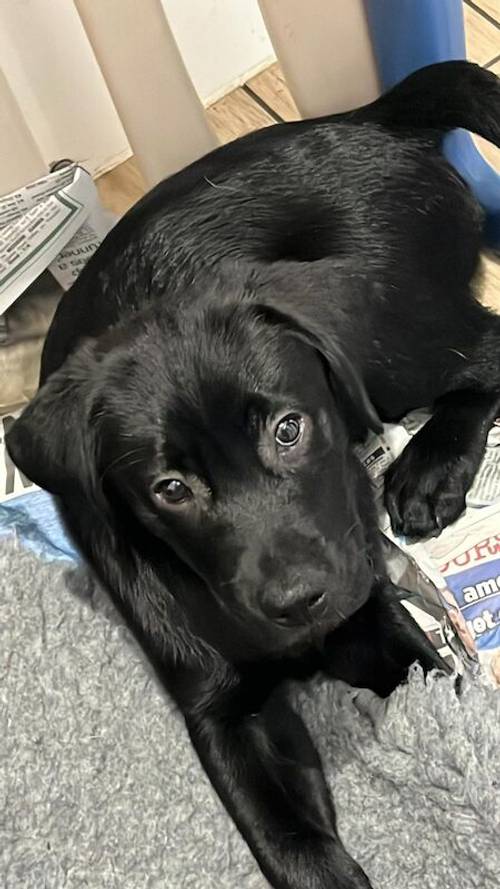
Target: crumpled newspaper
48,231
54,223
453,578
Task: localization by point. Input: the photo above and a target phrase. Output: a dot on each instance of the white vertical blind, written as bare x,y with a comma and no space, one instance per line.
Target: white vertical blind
52,72
60,91
153,94
88,79
20,157
325,52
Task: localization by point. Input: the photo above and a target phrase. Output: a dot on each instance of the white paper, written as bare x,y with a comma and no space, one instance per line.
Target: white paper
460,569
12,481
56,223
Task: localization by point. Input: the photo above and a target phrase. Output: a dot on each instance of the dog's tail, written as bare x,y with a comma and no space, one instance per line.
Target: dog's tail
442,97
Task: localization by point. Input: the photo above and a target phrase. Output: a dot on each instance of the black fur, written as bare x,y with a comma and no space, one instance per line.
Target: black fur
321,269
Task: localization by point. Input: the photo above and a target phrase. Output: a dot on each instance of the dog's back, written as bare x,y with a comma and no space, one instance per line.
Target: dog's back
368,184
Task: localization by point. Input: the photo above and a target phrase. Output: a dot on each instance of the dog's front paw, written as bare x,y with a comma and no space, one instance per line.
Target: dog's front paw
424,493
331,868
356,880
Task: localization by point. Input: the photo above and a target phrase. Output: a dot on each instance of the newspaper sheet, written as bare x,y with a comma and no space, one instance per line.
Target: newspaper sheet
13,482
454,578
55,222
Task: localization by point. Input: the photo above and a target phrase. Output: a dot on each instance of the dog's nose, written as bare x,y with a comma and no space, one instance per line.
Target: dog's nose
293,607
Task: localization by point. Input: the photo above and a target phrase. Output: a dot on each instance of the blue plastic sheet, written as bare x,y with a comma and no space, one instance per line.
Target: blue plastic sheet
33,520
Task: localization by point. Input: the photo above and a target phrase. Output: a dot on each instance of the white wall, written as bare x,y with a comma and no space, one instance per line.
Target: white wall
222,42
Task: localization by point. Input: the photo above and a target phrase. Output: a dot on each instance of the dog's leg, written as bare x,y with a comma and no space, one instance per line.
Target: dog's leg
425,487
377,645
268,774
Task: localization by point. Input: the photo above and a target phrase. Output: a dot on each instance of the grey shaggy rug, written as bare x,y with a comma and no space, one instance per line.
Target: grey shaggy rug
100,788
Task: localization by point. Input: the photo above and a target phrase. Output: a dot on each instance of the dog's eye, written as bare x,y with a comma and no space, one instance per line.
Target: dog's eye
172,491
289,430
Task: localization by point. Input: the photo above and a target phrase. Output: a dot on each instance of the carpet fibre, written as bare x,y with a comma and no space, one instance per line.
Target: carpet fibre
99,786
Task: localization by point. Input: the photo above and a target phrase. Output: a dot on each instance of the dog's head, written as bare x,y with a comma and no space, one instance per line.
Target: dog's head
225,430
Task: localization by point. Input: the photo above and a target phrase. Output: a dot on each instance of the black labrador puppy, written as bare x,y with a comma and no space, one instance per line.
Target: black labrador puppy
203,384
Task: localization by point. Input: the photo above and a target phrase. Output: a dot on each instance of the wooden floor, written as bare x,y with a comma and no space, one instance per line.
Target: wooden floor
265,100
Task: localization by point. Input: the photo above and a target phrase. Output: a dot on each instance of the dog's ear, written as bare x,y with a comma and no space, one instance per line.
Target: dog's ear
53,442
305,303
